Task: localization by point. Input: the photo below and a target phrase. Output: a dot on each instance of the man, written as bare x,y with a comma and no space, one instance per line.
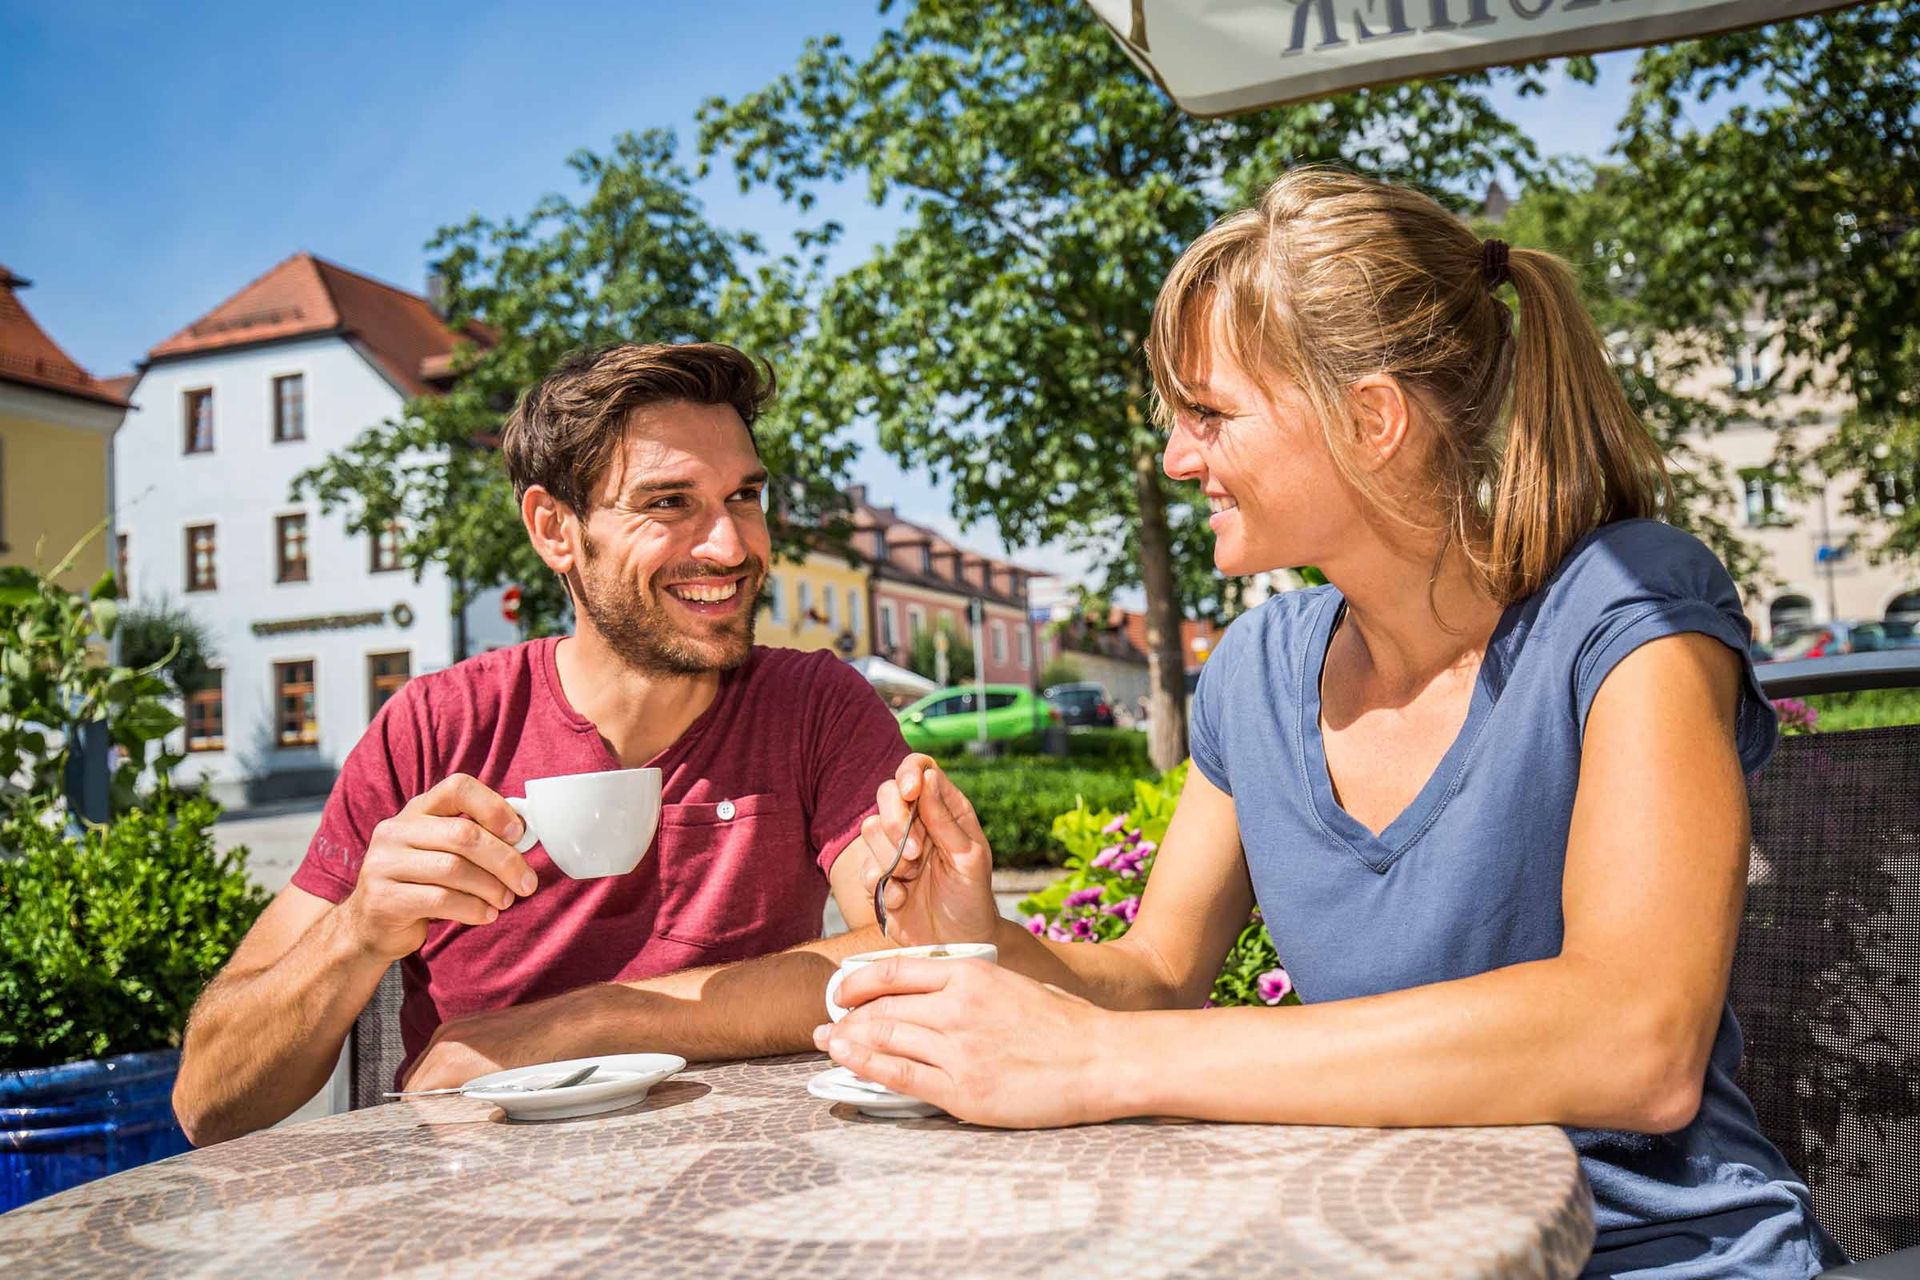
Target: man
640,485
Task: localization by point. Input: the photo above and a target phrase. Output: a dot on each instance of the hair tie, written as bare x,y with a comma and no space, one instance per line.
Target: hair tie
1493,263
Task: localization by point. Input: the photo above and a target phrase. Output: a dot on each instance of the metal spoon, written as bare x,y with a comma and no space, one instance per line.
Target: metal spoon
571,1078
880,886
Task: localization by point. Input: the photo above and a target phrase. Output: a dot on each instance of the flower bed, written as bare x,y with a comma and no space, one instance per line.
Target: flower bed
1109,856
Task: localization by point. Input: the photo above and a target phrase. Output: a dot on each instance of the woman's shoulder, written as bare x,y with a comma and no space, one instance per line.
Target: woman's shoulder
1639,560
1278,630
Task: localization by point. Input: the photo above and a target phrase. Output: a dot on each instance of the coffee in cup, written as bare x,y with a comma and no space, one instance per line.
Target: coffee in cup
591,824
933,951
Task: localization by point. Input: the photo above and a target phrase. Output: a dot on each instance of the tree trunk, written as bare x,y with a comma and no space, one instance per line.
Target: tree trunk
1166,663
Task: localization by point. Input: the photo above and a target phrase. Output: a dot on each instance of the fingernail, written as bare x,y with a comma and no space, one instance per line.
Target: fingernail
821,1033
492,915
515,829
529,882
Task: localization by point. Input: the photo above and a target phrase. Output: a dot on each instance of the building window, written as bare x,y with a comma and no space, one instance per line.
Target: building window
1021,642
999,631
916,622
290,537
776,602
293,702
199,420
122,583
854,612
386,672
828,602
886,624
806,602
200,556
207,715
386,549
289,408
1765,499
926,559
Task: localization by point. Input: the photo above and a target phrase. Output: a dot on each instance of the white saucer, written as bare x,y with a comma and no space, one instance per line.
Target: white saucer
622,1080
841,1085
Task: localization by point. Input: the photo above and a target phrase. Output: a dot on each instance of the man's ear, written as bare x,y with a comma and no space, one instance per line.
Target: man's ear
553,528
1383,415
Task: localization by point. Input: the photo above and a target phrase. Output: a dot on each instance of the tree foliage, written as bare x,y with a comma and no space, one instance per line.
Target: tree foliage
1047,188
631,258
1773,176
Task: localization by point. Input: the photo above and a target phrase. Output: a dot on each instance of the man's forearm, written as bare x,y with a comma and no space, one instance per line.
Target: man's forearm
260,1044
752,1008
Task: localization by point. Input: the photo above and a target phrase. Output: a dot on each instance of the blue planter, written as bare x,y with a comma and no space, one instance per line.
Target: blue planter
62,1126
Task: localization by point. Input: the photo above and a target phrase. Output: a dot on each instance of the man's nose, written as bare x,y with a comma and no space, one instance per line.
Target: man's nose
722,542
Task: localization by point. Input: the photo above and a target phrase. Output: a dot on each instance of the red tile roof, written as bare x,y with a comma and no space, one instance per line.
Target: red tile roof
307,295
28,356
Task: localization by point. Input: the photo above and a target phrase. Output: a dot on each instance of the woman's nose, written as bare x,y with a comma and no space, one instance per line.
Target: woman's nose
1181,460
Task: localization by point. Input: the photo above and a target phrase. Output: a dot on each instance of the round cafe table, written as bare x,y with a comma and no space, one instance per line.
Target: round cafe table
732,1170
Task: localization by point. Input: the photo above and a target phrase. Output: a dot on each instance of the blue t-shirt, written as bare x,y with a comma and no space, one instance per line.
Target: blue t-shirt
1468,878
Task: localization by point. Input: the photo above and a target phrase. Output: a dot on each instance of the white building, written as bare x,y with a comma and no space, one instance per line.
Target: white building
312,628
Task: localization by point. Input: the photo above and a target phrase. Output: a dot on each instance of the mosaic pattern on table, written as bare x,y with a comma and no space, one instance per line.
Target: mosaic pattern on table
733,1171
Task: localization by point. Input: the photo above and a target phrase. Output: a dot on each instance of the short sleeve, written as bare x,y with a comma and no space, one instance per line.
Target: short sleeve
382,773
1206,720
1644,581
855,746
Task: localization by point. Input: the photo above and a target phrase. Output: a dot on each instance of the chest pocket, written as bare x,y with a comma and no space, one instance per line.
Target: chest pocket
737,878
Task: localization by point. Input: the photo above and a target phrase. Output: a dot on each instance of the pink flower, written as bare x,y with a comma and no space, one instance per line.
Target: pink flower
1084,897
1127,909
1105,857
1083,929
1273,986
1037,926
1057,934
1795,715
1146,848
1128,863
1118,825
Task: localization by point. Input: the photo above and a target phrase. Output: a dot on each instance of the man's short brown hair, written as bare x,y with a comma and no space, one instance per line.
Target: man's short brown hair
568,426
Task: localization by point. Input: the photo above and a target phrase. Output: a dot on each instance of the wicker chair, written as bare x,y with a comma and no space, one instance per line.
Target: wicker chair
1824,979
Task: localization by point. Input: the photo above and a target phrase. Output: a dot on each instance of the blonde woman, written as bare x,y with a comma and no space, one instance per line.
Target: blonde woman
1487,786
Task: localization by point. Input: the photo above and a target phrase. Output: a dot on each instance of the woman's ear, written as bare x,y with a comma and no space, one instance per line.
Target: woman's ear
552,528
1383,416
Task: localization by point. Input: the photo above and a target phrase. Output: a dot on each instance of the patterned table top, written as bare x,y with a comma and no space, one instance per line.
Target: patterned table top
733,1171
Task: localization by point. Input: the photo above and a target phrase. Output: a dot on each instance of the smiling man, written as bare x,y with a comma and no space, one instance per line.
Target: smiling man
641,486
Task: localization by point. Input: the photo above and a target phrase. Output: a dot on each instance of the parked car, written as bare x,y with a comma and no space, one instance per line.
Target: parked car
1831,639
947,717
1082,703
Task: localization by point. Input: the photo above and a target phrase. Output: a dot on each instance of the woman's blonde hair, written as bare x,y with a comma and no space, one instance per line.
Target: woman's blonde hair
1332,277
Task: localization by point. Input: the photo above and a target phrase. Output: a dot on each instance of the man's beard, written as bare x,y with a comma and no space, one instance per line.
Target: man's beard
643,630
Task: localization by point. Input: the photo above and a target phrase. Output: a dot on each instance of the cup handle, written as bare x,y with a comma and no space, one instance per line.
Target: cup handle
834,1011
528,837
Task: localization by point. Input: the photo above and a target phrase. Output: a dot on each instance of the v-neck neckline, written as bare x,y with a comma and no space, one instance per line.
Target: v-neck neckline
1380,852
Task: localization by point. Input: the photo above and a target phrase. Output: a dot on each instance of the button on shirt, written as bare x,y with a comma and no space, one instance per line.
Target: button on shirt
1468,878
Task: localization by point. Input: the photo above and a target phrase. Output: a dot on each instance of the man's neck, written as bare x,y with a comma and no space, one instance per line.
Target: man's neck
638,715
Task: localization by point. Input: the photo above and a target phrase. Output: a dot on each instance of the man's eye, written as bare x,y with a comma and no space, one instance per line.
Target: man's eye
667,504
751,494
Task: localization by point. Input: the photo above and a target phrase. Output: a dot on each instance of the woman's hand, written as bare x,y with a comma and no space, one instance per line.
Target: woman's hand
981,1042
942,891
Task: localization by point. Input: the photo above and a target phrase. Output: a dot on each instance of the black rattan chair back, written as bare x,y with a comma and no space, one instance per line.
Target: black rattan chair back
1824,980
376,1043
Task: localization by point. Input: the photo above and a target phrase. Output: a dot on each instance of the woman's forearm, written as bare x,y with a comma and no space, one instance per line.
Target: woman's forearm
1122,974
1561,1041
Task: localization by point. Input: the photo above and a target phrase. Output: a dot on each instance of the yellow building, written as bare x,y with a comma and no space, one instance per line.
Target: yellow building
819,602
56,425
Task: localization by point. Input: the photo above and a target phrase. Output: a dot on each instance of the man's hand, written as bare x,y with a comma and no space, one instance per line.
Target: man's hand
447,856
942,891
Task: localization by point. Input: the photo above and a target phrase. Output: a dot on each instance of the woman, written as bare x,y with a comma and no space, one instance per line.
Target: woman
1487,786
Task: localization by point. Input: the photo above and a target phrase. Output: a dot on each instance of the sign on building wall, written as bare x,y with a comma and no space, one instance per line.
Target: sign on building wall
1215,57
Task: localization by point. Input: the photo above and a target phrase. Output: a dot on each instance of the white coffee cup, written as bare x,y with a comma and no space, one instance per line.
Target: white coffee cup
935,951
591,824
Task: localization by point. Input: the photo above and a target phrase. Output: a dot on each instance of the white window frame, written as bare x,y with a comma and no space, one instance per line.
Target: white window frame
803,606
776,602
1023,642
889,629
916,622
855,622
998,629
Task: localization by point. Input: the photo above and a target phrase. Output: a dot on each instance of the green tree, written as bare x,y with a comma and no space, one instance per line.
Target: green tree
1799,205
633,258
159,634
1047,188
923,659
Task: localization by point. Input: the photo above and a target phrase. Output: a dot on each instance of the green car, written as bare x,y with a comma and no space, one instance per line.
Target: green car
951,717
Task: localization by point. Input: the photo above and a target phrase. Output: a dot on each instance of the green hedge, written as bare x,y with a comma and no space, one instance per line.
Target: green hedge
1870,709
1018,797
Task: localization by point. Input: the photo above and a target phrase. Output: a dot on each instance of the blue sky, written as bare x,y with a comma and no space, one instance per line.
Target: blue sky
157,158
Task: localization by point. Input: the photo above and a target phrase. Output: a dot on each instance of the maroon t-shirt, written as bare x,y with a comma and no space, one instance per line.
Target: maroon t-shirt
795,745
